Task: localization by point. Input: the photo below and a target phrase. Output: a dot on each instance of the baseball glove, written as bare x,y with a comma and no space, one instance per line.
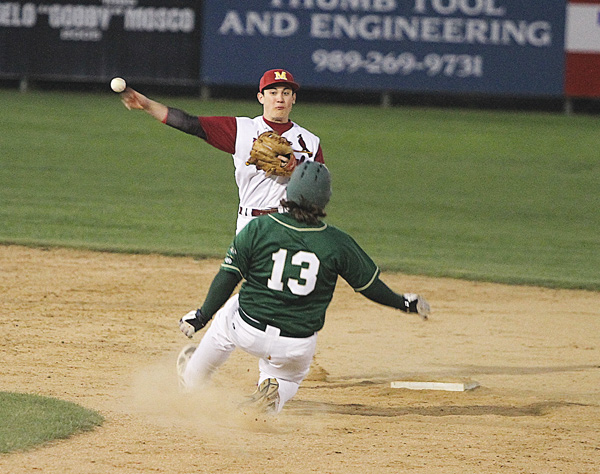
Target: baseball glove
273,154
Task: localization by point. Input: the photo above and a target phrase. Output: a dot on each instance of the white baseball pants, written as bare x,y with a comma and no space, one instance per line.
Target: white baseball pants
286,359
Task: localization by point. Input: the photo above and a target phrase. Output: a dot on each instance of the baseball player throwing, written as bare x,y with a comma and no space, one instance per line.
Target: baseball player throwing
290,262
259,193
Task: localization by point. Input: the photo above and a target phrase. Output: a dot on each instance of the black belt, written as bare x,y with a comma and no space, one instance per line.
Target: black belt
263,326
260,212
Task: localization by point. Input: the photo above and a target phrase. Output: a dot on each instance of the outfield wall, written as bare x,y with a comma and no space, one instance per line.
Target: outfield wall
492,47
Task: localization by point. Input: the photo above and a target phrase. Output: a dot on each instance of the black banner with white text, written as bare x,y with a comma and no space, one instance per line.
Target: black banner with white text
151,40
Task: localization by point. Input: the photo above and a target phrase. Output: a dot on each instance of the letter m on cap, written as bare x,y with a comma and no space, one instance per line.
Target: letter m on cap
280,76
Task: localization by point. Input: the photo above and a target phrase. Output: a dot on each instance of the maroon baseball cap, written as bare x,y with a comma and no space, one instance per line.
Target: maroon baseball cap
277,76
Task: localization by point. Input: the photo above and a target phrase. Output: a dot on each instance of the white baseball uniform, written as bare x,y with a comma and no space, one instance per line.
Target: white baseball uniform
258,194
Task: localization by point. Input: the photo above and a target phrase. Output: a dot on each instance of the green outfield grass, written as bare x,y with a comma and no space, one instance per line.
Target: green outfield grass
496,196
29,420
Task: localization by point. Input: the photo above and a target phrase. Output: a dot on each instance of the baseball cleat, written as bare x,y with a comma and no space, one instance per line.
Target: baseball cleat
266,396
182,360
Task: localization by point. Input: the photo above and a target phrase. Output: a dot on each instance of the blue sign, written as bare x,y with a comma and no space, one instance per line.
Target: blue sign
510,47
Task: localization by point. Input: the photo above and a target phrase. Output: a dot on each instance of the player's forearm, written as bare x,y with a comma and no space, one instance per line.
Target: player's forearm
380,293
185,122
156,109
219,292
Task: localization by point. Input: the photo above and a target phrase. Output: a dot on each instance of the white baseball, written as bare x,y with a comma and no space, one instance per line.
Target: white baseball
118,84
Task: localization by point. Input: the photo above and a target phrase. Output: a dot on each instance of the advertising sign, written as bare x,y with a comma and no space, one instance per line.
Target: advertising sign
482,46
156,40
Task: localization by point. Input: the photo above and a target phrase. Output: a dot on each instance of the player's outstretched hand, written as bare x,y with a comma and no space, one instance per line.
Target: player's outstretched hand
193,322
417,304
132,99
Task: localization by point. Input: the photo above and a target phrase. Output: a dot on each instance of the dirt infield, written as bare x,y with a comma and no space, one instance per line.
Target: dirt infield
101,330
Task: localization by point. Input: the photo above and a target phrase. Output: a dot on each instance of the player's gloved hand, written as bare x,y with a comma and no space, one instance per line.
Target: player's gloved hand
193,322
417,304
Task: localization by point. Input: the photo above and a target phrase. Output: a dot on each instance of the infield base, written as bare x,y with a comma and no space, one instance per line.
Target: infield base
447,386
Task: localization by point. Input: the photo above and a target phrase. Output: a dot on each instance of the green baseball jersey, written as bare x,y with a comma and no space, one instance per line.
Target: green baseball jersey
291,269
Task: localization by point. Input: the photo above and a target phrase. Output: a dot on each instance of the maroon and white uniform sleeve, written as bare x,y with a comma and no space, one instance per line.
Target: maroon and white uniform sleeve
219,132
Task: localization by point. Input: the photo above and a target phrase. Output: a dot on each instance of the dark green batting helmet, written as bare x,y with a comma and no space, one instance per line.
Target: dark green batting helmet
310,183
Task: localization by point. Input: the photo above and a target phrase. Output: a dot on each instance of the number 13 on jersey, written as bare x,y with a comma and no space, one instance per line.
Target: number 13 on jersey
308,274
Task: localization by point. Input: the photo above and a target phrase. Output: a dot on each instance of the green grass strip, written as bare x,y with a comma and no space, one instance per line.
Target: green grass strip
30,420
499,196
